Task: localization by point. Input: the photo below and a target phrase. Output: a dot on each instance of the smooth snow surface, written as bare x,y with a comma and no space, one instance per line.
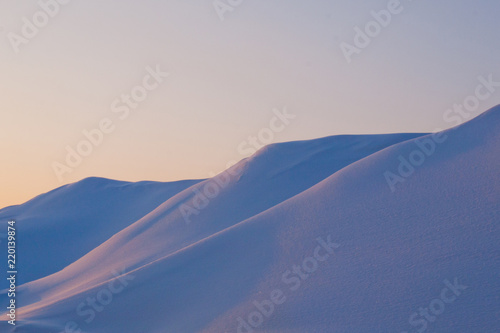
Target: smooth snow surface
61,226
434,238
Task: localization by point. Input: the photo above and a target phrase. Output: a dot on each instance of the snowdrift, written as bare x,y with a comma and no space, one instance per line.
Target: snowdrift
59,227
394,233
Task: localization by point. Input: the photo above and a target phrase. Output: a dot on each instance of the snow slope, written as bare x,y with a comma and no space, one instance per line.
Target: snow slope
59,227
431,243
273,175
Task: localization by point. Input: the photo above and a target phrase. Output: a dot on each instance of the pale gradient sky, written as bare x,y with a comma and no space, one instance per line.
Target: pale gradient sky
225,79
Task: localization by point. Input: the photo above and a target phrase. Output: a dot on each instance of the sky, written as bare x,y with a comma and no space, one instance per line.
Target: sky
171,90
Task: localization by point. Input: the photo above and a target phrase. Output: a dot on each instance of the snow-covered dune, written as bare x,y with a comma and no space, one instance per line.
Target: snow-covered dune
59,227
274,174
318,241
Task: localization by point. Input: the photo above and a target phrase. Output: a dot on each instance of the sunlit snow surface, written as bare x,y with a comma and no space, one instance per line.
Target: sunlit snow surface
422,256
